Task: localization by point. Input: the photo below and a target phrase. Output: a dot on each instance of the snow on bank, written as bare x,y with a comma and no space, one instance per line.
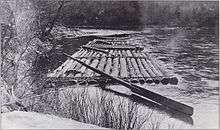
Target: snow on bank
32,120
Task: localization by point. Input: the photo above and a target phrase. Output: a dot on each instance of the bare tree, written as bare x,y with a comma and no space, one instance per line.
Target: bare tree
18,50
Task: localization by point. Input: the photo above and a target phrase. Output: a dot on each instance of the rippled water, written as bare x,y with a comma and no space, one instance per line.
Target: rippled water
192,54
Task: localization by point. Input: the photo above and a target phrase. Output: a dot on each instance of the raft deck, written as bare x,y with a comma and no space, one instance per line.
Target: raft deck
115,57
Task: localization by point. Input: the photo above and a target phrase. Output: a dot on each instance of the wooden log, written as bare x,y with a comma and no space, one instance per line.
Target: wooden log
116,67
83,82
123,68
67,64
136,68
94,49
73,65
108,66
128,52
87,61
117,47
167,78
160,76
101,64
92,82
143,70
147,68
94,64
102,42
137,71
119,53
153,67
60,72
115,53
124,53
147,77
78,66
170,103
111,53
90,72
131,71
86,72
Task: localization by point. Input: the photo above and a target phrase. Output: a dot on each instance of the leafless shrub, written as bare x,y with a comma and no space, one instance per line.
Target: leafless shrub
103,110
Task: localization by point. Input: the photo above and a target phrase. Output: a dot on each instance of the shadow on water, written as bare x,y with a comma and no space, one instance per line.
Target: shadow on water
143,101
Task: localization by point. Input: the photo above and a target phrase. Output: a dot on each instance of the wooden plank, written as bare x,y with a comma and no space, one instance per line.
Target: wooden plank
170,103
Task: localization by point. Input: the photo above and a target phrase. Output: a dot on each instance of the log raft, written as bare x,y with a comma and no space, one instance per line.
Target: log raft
117,62
144,93
116,58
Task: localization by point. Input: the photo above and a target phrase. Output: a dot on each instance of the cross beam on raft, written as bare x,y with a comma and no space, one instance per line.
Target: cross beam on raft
117,47
170,103
95,49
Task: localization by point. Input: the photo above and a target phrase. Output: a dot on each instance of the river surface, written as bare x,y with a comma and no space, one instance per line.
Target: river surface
192,55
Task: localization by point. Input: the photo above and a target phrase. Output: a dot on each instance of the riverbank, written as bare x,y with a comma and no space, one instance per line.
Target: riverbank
32,120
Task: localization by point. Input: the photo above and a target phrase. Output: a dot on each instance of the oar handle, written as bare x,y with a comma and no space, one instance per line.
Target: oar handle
162,100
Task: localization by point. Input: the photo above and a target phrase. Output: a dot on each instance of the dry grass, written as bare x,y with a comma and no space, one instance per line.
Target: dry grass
103,110
95,106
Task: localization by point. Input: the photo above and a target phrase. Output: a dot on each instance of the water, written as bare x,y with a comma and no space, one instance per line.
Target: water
192,54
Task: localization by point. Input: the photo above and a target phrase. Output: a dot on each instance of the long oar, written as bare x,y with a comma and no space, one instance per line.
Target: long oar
144,92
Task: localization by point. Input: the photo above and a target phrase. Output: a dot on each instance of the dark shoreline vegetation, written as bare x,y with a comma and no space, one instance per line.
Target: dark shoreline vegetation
29,50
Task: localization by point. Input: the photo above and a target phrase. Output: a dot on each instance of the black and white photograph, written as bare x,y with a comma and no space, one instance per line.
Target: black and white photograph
111,64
